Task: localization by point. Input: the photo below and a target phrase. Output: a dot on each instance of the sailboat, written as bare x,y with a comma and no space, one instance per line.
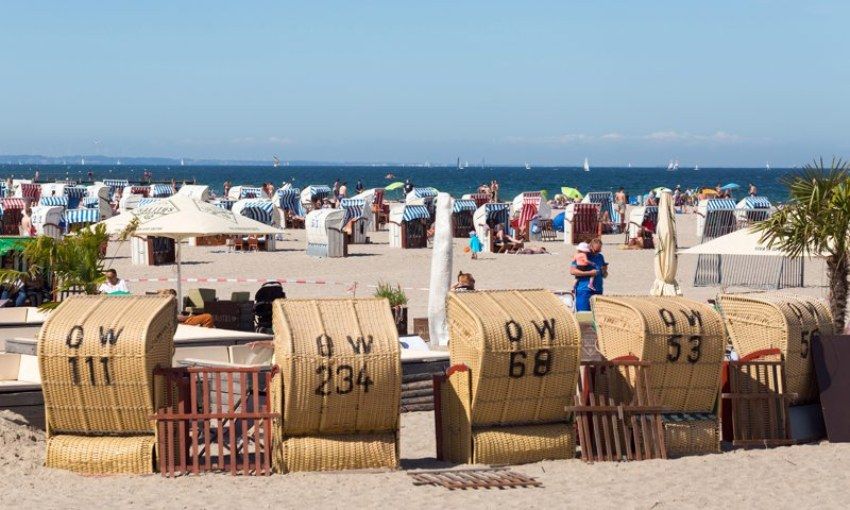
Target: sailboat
275,161
82,160
676,165
458,164
527,166
696,167
670,166
586,165
767,166
118,163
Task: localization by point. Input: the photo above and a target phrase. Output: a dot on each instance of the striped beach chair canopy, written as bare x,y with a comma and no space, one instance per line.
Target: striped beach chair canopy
289,199
75,191
754,203
161,190
30,190
90,202
532,197
605,201
256,209
147,201
318,192
424,192
61,201
479,198
14,203
116,184
224,203
464,205
141,190
416,212
354,208
73,216
720,204
498,212
251,192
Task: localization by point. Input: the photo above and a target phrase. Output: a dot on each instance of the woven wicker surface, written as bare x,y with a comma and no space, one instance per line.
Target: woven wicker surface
523,351
97,355
328,387
683,340
691,436
340,452
102,455
455,395
779,321
522,444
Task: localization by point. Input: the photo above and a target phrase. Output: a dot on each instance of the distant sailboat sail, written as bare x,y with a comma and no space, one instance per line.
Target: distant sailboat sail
527,166
767,166
276,161
696,167
586,165
182,163
670,166
676,165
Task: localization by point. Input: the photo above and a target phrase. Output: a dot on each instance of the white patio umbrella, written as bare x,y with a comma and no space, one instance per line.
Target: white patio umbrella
178,217
666,262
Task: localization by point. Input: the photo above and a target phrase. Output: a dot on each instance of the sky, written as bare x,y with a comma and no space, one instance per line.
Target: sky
721,83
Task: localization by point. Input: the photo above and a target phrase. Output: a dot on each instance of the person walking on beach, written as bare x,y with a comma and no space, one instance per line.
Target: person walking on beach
584,287
26,228
753,190
358,188
620,202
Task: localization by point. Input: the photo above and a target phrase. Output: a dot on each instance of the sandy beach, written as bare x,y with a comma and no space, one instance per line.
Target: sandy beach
779,478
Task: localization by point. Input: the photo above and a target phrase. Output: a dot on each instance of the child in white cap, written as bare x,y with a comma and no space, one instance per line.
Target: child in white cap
582,262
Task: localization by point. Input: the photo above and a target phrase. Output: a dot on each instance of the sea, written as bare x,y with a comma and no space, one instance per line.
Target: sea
512,180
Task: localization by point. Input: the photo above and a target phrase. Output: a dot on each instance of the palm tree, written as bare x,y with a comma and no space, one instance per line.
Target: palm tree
74,262
816,221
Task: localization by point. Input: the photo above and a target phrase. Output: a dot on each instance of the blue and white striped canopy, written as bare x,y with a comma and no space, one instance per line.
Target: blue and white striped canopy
497,211
424,192
353,208
82,216
416,212
54,201
258,210
147,200
720,204
76,191
250,192
757,202
91,202
464,205
320,191
289,199
116,183
161,190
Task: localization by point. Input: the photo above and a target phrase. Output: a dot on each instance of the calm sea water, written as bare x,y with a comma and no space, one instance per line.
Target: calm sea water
512,180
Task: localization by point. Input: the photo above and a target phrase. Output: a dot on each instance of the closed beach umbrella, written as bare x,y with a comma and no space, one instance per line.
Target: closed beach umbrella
179,217
394,186
666,262
571,193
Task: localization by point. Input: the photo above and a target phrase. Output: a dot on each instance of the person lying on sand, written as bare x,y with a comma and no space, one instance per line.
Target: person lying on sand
533,251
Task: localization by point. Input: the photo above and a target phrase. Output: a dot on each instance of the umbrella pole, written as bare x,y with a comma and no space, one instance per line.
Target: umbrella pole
179,260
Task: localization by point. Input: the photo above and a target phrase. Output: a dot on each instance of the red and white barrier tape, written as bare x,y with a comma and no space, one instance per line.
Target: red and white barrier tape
289,281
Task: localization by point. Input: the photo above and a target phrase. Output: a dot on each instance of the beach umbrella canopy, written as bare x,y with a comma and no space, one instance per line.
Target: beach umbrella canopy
571,193
394,186
731,185
660,189
179,217
741,242
666,262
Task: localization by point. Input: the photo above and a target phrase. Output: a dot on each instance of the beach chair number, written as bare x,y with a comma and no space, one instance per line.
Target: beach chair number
674,348
107,336
89,362
345,380
542,363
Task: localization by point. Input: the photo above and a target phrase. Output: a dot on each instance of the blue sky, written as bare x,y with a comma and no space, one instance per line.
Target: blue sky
714,83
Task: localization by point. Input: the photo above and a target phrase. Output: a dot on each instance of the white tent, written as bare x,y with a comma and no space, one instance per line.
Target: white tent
741,242
46,220
324,233
181,218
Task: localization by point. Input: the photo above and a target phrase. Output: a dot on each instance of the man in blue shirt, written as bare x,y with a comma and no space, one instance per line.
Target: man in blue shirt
584,290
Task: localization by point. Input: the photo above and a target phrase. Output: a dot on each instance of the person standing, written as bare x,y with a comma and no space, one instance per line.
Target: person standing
343,190
26,228
620,201
753,190
335,188
358,188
